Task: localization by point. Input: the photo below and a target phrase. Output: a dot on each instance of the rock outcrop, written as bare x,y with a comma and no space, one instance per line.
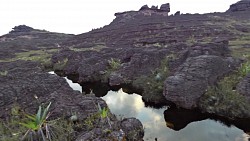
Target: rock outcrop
140,50
25,86
192,79
158,56
145,10
243,5
21,28
165,7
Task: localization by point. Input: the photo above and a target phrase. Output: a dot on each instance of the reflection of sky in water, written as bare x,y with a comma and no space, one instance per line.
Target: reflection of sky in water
74,86
126,105
132,105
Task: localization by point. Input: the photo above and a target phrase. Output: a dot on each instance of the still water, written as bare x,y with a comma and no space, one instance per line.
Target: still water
126,105
167,124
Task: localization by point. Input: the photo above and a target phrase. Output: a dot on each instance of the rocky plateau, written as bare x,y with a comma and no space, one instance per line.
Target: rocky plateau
192,61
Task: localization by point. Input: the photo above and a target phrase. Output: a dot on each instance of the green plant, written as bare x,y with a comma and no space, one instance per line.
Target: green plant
244,69
224,99
103,112
38,126
114,64
152,84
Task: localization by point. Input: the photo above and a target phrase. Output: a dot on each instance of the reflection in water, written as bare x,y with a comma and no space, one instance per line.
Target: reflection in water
153,120
74,86
178,125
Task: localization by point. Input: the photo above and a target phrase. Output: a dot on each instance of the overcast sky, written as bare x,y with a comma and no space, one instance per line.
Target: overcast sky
79,16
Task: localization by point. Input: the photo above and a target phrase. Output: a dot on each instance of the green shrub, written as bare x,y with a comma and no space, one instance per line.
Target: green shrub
114,64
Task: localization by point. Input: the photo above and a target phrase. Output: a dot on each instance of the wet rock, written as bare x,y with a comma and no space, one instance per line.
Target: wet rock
243,5
193,77
244,87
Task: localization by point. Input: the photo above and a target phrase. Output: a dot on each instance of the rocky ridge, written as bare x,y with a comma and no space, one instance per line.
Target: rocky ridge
155,55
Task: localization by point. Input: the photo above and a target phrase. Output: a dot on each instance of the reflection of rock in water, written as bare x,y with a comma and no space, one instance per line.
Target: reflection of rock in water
178,119
98,88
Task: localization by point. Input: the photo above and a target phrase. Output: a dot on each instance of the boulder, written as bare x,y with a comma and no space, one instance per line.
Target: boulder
133,129
193,77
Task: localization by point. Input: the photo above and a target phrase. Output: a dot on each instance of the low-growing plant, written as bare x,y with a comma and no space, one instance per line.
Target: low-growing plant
245,69
224,96
103,112
114,64
38,126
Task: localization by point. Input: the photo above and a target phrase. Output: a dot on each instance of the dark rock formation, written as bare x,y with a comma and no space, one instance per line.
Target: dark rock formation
133,128
243,5
26,86
139,50
144,7
193,77
154,7
165,7
129,129
177,13
244,87
21,28
146,11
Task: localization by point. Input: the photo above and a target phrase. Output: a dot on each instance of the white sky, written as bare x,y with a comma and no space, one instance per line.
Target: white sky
79,16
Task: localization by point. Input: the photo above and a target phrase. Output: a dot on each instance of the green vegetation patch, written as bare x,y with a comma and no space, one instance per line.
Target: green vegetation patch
153,84
241,41
224,99
42,56
29,127
114,64
96,47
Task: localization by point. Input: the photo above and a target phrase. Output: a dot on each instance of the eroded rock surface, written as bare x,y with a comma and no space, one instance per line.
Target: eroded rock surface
138,51
25,86
243,5
193,77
